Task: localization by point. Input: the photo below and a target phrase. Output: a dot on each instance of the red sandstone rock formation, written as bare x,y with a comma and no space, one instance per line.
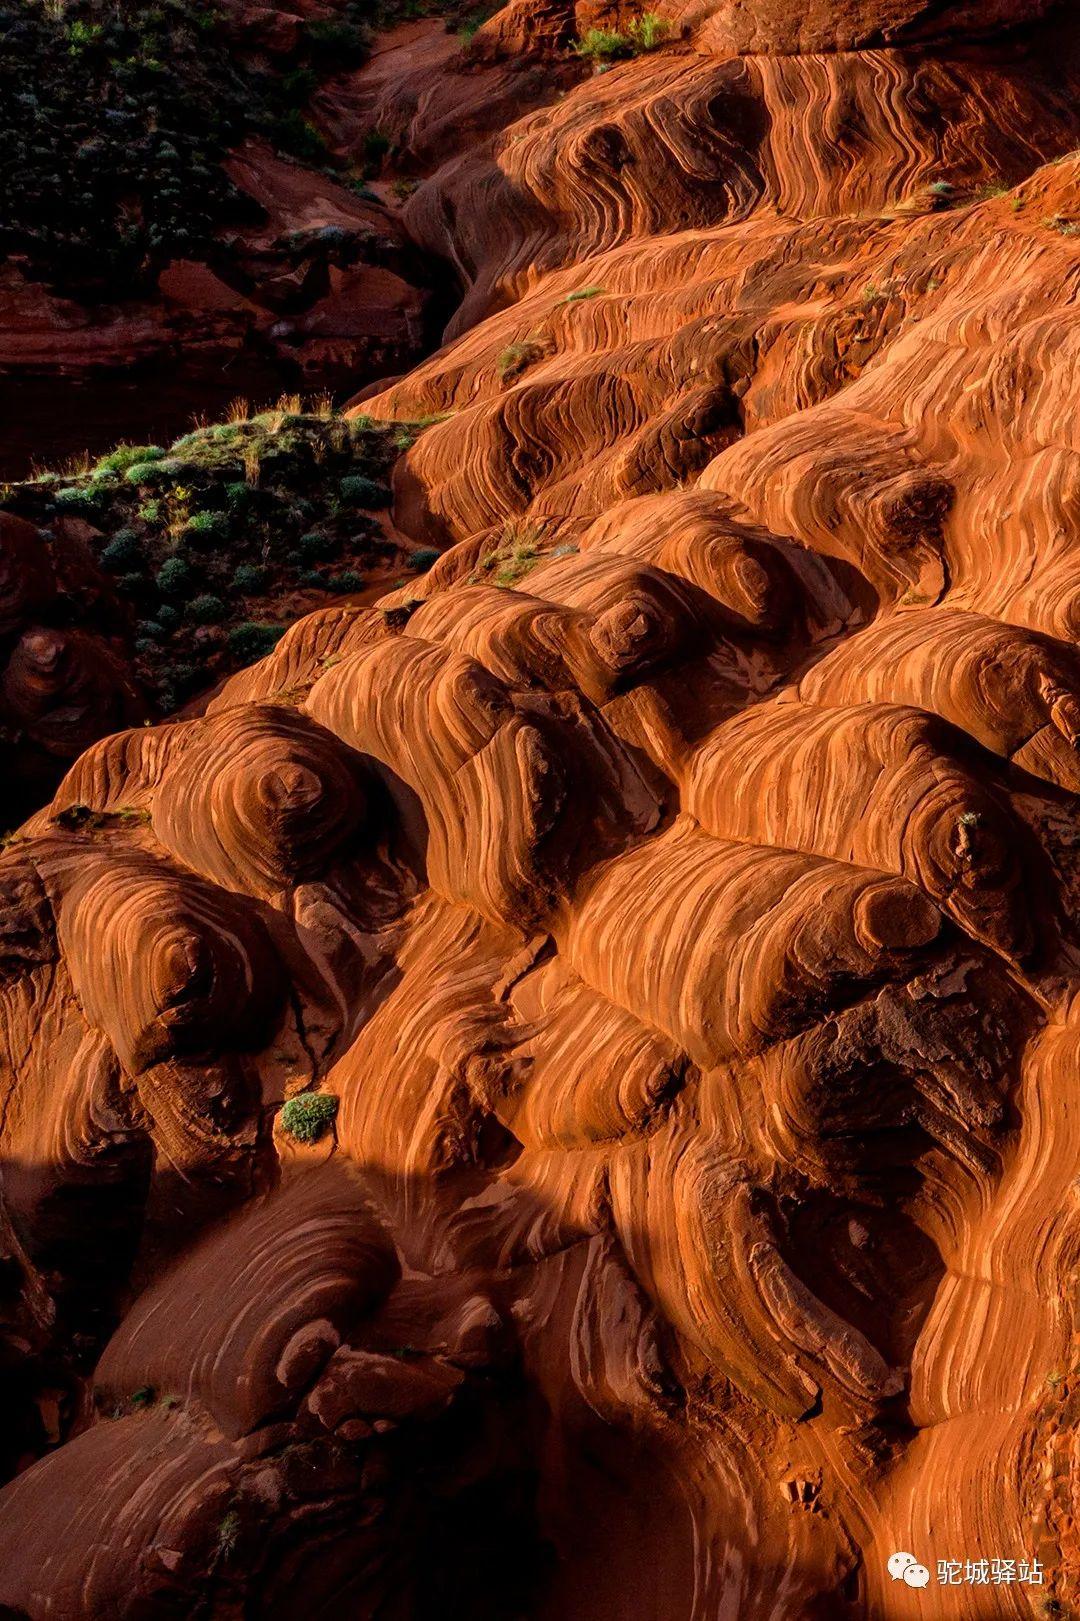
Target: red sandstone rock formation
676,891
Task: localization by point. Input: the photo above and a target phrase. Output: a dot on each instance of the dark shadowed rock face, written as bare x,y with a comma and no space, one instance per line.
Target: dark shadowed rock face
553,1096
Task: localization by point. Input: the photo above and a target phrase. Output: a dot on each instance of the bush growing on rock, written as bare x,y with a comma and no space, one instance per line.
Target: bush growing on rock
309,1115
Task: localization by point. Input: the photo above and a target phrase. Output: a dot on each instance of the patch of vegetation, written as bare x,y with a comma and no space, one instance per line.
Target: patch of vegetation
228,1534
582,292
309,1115
1062,224
211,539
116,116
603,46
516,358
517,551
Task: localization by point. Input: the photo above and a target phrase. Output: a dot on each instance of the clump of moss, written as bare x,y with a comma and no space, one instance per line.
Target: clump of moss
309,1115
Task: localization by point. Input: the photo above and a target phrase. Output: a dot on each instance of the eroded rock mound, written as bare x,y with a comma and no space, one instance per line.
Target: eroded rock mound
553,1096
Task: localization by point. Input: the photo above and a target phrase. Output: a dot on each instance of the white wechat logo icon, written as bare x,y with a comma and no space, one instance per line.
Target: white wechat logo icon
904,1567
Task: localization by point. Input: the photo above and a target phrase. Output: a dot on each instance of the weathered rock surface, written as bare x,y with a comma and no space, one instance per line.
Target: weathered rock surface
676,890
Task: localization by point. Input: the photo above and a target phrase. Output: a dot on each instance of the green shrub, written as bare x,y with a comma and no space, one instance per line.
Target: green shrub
300,138
76,500
376,146
420,561
582,292
151,629
250,578
648,31
239,497
122,552
348,580
207,609
125,456
204,529
315,547
158,471
174,577
251,640
334,37
357,491
309,1115
168,616
604,45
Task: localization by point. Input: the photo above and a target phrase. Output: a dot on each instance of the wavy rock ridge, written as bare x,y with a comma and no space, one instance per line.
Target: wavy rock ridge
675,890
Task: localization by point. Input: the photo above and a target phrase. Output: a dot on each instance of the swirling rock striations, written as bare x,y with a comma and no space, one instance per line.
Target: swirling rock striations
554,1096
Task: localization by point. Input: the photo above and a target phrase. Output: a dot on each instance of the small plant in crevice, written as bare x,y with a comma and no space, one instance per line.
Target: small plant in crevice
602,46
579,295
517,357
228,1534
309,1115
517,550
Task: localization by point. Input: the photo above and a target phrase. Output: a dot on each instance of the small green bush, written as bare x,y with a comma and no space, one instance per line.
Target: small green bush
604,45
125,456
332,36
174,577
582,292
76,500
250,578
168,616
420,561
122,552
158,471
348,580
251,640
207,609
239,496
150,630
357,491
315,547
309,1115
205,529
648,31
